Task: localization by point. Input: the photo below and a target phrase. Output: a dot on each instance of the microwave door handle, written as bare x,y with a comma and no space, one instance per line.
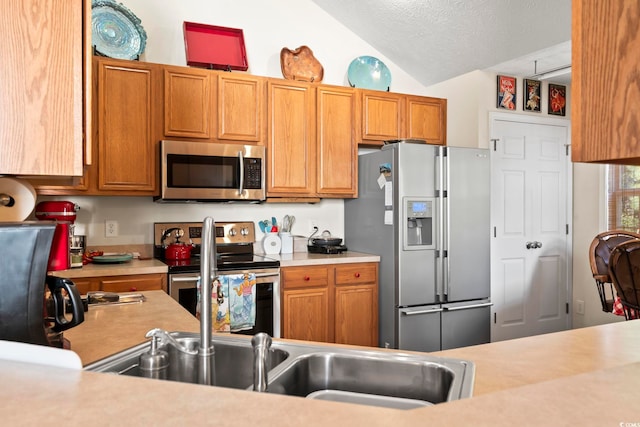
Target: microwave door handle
241,160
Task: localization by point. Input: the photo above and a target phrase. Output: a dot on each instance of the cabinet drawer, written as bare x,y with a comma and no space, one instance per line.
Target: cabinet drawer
304,277
131,283
355,273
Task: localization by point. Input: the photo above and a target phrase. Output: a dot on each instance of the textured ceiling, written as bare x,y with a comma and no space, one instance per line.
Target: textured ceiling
435,40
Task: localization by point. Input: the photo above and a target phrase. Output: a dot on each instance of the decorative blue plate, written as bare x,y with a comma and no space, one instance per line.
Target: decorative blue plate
368,72
116,31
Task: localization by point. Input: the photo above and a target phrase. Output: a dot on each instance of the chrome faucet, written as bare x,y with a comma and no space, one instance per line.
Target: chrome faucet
206,365
261,343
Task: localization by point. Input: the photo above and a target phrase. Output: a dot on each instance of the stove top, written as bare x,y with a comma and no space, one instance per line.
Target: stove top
234,246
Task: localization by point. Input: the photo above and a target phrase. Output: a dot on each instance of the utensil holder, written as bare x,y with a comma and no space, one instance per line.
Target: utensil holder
287,243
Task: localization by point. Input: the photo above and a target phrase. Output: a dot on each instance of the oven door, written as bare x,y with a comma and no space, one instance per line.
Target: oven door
182,288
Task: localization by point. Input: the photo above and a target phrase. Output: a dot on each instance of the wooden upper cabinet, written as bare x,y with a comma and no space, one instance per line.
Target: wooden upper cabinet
382,116
41,87
338,133
427,119
127,126
187,102
291,150
240,108
387,116
605,105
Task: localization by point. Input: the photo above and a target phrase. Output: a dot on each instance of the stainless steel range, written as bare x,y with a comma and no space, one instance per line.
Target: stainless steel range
235,254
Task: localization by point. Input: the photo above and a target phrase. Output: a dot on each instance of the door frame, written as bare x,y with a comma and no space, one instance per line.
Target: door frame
551,121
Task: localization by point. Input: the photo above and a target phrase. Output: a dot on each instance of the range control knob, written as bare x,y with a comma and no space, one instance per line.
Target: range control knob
244,231
232,232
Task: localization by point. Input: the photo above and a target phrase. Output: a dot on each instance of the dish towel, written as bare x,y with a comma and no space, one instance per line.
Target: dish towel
242,300
233,302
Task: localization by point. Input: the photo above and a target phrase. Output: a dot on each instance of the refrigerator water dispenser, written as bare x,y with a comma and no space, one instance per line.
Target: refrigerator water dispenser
418,224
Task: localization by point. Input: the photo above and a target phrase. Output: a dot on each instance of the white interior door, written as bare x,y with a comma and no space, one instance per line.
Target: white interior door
530,213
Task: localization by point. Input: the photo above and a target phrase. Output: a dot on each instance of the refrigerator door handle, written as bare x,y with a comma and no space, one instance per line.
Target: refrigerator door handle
412,313
467,307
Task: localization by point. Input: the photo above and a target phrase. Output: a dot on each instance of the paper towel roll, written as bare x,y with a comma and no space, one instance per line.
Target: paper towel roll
271,243
17,199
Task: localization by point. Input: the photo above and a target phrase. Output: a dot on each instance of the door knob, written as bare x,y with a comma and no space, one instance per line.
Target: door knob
533,245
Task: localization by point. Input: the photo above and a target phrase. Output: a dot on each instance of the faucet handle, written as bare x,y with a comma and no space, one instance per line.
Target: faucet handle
162,337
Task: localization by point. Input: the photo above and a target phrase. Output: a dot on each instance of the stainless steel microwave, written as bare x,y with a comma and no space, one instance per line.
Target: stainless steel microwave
209,171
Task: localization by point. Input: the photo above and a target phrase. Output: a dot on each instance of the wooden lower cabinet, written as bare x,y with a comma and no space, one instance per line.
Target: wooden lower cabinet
331,303
130,283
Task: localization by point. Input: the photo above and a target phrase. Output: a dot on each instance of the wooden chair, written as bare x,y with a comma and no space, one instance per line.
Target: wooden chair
624,270
599,253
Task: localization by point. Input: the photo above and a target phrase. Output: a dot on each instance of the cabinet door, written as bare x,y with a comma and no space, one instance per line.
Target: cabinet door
127,126
427,119
143,282
41,87
291,167
382,116
356,304
187,102
337,142
305,314
605,69
241,114
356,315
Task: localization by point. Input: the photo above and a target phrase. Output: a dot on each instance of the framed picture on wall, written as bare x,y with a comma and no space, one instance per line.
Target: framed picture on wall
531,99
557,99
506,92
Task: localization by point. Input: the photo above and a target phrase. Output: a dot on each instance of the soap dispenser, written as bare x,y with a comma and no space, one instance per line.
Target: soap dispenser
154,363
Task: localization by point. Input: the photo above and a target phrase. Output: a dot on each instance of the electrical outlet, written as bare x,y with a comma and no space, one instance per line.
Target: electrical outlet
313,226
111,228
579,306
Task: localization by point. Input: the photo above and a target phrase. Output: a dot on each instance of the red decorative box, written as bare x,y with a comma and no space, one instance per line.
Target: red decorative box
215,47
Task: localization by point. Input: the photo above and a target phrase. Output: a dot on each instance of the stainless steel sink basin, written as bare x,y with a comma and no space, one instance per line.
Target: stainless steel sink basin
233,361
316,371
377,378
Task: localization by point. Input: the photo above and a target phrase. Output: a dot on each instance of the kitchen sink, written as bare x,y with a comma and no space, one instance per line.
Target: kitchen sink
377,378
233,361
315,371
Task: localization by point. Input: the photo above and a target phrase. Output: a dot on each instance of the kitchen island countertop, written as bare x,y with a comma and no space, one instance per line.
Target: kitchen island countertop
584,376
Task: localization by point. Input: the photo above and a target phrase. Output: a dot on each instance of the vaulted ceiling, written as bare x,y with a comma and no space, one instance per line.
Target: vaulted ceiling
435,40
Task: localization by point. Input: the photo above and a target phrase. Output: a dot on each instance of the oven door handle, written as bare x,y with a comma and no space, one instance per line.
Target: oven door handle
263,275
185,279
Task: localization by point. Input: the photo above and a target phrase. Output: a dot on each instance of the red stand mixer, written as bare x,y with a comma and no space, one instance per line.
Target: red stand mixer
64,213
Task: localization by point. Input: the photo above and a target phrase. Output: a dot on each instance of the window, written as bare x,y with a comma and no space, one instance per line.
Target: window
623,197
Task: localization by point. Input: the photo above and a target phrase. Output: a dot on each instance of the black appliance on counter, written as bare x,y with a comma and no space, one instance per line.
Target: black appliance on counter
234,254
32,306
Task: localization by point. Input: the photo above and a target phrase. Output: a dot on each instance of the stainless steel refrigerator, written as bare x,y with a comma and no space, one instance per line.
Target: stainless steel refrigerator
424,210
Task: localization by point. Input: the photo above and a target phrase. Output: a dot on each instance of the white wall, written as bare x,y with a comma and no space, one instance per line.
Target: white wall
470,99
268,26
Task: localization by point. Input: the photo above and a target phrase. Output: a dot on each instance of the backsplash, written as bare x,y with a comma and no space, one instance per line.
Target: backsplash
135,216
